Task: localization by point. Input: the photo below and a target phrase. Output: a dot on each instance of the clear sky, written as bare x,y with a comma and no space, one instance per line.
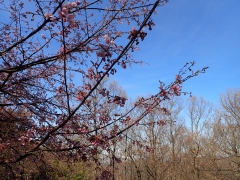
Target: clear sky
205,31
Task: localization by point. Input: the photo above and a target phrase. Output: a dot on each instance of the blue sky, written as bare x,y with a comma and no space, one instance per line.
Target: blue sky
206,31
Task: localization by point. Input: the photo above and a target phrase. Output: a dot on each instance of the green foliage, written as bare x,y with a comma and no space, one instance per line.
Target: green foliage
67,170
51,169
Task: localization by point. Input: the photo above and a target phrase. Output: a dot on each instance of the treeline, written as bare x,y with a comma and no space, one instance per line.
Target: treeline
191,139
196,141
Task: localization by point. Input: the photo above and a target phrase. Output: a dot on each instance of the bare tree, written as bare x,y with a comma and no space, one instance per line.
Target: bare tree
227,134
199,112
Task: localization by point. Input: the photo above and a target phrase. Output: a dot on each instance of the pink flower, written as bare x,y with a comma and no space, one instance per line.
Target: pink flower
162,122
95,140
101,54
108,40
87,87
81,95
83,130
73,25
164,93
74,4
179,79
23,140
63,12
165,111
60,90
48,15
105,67
132,33
70,17
123,64
176,90
90,70
54,19
97,76
43,36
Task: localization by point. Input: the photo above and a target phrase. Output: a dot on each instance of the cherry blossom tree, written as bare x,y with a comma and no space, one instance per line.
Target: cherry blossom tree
54,57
